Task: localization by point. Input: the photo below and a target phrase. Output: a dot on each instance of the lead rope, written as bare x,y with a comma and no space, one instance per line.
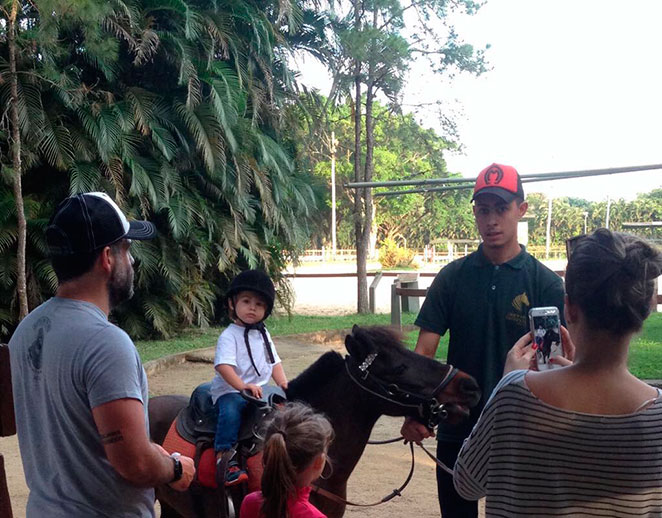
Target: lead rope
393,494
427,452
437,461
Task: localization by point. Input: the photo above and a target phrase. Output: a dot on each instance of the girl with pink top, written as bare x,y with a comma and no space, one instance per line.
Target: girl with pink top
295,445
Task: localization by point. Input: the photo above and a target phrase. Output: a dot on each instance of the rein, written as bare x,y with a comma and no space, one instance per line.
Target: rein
428,408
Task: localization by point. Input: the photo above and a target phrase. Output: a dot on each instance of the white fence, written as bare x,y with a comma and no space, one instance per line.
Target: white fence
430,254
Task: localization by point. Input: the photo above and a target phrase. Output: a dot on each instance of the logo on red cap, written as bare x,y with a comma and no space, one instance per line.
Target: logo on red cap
497,178
494,170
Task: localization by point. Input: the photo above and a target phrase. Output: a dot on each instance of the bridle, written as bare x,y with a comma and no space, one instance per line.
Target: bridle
427,409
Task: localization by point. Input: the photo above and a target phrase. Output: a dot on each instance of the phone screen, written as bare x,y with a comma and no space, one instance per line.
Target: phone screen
546,327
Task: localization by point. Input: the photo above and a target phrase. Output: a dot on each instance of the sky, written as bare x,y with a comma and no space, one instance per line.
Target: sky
573,85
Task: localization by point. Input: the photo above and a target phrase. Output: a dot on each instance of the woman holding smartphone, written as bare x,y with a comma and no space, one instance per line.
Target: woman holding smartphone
585,440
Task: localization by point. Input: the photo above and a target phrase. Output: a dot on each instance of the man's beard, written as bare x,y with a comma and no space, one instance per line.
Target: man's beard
120,286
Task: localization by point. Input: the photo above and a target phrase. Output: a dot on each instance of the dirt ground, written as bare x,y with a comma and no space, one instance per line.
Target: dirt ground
381,469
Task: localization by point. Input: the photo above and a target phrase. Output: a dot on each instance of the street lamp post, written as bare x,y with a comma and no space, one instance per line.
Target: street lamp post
585,219
333,194
549,226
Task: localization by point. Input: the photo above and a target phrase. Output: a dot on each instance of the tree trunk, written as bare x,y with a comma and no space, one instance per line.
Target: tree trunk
359,208
363,244
21,285
367,208
359,205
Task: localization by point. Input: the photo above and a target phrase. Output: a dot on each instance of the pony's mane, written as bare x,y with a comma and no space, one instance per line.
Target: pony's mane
330,363
326,366
382,336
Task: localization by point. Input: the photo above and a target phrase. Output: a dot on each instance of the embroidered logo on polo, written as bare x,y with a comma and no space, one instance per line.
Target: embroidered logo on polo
521,306
496,172
521,300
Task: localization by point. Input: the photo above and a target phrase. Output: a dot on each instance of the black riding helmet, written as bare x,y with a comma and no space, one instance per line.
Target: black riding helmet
257,281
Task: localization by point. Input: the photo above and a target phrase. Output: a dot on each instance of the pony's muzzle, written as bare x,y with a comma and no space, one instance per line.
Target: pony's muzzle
469,389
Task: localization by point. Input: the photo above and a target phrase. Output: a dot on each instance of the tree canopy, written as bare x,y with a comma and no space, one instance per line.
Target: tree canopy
173,107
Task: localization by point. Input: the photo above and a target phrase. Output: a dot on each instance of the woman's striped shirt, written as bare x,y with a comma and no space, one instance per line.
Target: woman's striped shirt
531,459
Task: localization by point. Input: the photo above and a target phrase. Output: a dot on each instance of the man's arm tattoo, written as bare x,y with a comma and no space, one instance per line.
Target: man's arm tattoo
111,437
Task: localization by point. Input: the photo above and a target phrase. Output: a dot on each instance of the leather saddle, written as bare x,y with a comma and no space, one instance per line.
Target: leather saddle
197,422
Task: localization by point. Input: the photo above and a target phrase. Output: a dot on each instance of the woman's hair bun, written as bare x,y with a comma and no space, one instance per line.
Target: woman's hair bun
610,275
641,259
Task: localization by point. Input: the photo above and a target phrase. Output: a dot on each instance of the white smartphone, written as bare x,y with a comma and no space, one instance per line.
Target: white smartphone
546,328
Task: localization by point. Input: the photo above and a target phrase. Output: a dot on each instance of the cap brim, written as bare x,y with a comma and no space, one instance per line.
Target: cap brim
140,230
506,196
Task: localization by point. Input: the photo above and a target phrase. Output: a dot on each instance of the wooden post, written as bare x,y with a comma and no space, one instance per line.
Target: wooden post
7,420
655,296
396,311
372,296
5,504
409,280
7,426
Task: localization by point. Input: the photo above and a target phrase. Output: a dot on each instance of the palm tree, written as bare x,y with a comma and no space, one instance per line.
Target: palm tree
173,107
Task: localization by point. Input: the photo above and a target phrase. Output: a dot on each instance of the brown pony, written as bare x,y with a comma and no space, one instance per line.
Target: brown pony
380,376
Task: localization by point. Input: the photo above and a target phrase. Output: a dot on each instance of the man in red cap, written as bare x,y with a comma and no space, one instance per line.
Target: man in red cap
483,300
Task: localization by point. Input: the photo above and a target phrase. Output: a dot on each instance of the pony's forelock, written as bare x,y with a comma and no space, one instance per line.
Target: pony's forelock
382,335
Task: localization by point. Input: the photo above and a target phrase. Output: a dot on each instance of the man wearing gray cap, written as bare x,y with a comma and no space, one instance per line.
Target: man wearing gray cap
80,390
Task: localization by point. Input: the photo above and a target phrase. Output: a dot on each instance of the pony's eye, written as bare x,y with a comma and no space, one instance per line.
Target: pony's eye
399,369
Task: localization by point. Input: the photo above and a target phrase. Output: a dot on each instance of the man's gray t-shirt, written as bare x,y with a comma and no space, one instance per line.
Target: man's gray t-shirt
66,358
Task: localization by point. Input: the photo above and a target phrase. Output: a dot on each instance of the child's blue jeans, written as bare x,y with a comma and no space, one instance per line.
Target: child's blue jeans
229,407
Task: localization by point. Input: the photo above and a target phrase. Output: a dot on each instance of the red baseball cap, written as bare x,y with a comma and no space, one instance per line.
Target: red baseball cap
501,180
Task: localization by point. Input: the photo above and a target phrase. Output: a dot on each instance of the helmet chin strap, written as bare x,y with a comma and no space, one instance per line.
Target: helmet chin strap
263,331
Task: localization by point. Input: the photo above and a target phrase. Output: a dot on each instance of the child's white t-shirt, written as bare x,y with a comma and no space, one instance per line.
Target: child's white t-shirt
231,350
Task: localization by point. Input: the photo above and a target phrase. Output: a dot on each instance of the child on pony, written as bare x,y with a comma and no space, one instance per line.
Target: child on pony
294,455
245,359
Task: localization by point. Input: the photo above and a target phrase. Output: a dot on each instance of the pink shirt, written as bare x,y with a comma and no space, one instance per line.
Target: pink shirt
298,507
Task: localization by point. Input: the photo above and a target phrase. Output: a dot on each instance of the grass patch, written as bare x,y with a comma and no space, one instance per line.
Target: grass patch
645,352
645,359
277,325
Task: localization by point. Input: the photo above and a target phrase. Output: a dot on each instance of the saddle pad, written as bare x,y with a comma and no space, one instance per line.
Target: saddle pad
174,442
254,470
206,469
206,474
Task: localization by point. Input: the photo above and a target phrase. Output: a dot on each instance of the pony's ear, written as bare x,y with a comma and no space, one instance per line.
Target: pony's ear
351,345
357,345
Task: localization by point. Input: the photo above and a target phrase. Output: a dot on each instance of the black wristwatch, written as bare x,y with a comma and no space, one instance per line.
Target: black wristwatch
179,471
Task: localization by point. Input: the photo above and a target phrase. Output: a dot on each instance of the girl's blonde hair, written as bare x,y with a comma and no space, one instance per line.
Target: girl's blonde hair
293,437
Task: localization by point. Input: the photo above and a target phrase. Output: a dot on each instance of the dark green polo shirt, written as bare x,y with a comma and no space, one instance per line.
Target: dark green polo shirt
485,307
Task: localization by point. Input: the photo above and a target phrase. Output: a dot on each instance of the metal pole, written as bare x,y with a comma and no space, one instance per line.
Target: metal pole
464,185
333,195
537,176
549,226
525,179
585,218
